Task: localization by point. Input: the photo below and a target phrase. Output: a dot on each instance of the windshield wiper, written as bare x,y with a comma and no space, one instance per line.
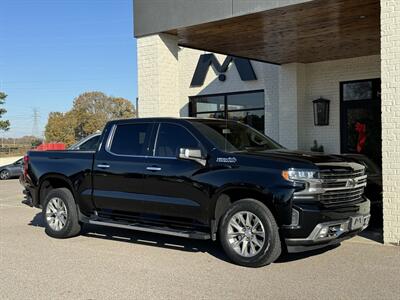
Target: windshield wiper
261,147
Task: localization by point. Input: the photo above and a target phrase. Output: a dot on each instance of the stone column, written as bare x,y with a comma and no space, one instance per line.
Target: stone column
158,76
390,70
291,95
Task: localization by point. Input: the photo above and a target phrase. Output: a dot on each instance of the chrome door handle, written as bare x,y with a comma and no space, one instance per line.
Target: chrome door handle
103,166
153,168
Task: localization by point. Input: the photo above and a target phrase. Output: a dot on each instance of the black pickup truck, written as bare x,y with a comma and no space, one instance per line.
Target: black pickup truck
202,179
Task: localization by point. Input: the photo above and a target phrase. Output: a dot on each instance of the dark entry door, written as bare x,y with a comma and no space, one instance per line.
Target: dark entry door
360,106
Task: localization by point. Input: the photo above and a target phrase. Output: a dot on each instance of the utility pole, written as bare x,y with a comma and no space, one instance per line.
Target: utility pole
137,107
35,124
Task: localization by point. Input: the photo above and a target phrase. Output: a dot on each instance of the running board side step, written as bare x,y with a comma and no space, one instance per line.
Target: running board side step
160,230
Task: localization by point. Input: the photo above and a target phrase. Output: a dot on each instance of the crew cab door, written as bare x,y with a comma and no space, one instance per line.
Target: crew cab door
177,190
119,179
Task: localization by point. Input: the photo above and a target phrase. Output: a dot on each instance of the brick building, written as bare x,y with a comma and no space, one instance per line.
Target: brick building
272,60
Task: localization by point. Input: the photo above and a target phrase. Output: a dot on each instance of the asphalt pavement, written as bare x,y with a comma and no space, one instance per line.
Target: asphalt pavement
105,263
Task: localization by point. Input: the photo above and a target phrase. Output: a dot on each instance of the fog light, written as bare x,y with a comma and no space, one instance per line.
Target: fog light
323,232
295,217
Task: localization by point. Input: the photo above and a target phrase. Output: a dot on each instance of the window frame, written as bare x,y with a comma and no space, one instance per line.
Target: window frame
346,104
110,139
153,142
193,111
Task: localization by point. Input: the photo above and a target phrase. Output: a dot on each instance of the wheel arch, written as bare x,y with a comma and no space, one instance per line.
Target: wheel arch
229,195
52,181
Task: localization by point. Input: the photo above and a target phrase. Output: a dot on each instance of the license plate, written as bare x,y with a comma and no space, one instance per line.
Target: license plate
356,222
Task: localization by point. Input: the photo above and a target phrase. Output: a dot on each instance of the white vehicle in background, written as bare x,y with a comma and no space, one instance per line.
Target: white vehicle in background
88,143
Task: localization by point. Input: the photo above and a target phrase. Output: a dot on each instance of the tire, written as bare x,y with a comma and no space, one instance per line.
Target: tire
59,206
233,240
4,174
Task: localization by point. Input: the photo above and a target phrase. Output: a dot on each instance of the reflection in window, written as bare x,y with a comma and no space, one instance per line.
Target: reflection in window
246,107
254,118
171,138
214,115
131,139
360,90
245,101
210,103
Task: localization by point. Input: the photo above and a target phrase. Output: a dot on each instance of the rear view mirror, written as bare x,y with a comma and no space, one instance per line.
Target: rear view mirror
192,154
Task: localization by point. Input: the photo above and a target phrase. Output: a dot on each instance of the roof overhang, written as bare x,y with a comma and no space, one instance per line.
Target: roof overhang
309,32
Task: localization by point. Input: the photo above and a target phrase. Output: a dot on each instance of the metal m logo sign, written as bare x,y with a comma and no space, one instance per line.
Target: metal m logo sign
244,67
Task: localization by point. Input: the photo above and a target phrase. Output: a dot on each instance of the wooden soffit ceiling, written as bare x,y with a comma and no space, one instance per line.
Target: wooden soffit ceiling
314,31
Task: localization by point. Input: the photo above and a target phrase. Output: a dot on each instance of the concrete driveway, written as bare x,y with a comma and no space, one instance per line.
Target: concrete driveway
117,264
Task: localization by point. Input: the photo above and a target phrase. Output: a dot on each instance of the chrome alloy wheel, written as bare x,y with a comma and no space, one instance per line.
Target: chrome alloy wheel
4,174
56,214
246,234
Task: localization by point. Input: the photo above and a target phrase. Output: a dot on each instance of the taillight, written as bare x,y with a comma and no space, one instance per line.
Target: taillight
26,162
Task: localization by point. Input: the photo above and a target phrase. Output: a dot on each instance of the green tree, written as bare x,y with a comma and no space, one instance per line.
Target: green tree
90,112
60,128
93,110
4,124
36,142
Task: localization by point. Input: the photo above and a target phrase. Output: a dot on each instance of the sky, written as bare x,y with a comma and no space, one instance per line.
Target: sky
53,50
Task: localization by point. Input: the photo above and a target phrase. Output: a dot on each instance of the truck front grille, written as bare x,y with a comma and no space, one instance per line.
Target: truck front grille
340,174
342,182
338,185
341,196
342,186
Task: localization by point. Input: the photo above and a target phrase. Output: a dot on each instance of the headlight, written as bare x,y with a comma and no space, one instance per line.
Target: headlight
299,174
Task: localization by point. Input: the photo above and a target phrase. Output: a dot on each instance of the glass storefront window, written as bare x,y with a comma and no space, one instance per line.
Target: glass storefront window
246,107
245,101
214,115
209,103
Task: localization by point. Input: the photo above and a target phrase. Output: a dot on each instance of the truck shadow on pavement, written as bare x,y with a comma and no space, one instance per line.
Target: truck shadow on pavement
169,242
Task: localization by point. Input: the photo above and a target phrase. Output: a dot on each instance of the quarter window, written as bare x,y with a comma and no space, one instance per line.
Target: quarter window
131,139
171,138
91,144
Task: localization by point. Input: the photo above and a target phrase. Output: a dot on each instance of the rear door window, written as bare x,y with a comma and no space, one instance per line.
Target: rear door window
131,139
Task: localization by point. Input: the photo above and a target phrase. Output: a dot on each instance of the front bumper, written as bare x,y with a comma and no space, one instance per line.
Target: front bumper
320,227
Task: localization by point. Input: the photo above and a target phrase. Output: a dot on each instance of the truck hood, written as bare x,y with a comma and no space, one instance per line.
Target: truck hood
298,156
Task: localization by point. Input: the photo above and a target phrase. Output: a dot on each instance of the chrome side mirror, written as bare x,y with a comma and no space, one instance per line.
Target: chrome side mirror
192,154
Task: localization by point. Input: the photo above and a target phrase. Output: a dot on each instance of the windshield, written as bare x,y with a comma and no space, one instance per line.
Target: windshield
232,136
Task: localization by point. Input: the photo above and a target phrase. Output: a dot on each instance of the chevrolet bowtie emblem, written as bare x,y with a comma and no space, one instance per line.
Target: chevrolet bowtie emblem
351,183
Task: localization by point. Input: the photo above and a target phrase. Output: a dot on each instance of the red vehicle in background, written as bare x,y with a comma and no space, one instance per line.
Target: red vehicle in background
50,146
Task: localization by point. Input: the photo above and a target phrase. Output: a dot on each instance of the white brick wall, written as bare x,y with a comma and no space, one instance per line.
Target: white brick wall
291,88
390,68
158,76
323,79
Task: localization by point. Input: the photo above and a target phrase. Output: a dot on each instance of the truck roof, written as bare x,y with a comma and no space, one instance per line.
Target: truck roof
174,119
